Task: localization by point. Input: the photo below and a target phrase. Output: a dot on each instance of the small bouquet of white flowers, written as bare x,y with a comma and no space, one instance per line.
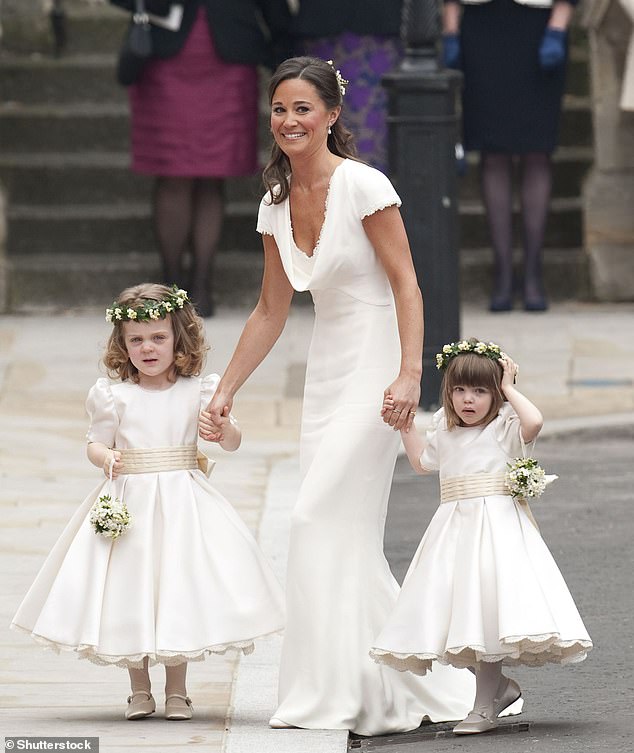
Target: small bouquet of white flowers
526,479
109,517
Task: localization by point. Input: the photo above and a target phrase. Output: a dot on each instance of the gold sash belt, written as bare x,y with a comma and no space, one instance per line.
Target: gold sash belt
479,485
158,459
475,485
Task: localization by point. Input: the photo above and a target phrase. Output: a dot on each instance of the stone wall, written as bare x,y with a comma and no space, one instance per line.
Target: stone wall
609,191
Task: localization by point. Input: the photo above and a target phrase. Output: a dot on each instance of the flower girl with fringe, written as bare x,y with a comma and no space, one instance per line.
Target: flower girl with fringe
483,590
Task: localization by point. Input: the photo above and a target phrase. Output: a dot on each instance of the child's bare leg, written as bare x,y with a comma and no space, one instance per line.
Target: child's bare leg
178,705
140,701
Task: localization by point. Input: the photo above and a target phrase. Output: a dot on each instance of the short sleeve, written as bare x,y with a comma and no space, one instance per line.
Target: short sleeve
208,386
429,459
373,192
264,226
104,420
508,433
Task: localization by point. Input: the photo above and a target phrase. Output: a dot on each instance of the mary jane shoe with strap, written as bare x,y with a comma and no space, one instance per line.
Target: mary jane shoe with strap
178,707
476,722
140,705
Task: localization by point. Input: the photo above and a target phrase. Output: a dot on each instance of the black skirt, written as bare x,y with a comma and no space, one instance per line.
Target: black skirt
510,104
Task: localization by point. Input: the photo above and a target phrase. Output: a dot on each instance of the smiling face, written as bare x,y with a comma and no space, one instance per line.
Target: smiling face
471,404
300,118
150,347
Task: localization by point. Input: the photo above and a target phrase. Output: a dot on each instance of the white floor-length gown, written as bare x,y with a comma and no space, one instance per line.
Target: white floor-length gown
340,590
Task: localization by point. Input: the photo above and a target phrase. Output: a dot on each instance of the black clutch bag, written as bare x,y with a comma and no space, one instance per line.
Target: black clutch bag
137,46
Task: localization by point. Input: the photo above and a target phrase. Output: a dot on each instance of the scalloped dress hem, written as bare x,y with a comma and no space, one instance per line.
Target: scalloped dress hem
135,661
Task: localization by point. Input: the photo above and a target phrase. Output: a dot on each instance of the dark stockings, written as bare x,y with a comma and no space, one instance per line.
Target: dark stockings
189,211
497,182
535,194
497,191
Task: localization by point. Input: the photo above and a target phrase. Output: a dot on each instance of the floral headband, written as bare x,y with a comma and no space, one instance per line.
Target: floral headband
341,81
151,310
488,350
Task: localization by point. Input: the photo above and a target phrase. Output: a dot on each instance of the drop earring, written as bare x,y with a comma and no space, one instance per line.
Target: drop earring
329,130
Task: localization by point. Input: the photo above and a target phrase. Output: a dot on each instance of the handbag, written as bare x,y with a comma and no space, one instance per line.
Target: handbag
137,46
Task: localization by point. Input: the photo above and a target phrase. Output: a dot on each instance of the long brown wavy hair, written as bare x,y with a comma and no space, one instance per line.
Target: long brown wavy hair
190,345
340,141
472,370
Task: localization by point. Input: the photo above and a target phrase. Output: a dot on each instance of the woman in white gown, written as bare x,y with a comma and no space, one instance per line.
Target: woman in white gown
331,225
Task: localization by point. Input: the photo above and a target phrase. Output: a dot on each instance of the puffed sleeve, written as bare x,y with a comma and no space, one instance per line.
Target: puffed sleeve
509,435
429,459
373,192
264,226
104,420
208,386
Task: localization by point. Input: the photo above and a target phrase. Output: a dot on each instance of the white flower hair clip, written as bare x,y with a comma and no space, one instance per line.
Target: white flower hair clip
341,81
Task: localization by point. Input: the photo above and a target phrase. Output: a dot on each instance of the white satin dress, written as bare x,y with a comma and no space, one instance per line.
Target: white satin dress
339,589
495,591
186,580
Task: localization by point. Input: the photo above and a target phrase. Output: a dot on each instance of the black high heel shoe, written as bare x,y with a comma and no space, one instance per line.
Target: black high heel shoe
501,303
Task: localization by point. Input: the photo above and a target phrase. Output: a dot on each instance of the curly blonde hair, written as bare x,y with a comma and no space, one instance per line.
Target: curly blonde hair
471,370
190,345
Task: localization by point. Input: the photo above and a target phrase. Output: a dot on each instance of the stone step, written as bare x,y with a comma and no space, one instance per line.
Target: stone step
58,280
90,27
109,229
105,177
97,116
91,178
95,230
38,80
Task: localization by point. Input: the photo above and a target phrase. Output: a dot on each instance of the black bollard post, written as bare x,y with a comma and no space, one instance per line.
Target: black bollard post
423,132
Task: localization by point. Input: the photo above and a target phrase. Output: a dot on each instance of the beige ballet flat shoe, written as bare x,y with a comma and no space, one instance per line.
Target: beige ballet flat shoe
178,707
275,723
140,705
475,723
511,694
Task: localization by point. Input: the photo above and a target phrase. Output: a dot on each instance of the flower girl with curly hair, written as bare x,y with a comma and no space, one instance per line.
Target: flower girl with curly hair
483,590
187,579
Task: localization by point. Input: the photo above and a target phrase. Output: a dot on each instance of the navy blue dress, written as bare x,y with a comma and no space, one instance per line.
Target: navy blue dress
510,104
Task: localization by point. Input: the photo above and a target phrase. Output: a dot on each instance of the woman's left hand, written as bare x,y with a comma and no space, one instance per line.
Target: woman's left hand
400,401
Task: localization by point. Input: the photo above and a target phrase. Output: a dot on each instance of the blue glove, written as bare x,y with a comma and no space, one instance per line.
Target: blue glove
451,50
552,51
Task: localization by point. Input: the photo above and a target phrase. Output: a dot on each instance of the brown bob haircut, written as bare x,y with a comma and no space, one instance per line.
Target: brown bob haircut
471,370
190,345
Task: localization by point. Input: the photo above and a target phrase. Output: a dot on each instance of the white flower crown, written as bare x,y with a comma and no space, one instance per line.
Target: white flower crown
151,310
489,350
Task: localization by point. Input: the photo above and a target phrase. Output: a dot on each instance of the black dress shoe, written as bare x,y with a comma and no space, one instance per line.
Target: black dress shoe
536,304
501,304
204,305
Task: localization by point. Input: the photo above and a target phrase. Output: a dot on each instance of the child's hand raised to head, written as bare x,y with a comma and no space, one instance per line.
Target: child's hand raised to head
210,430
510,370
